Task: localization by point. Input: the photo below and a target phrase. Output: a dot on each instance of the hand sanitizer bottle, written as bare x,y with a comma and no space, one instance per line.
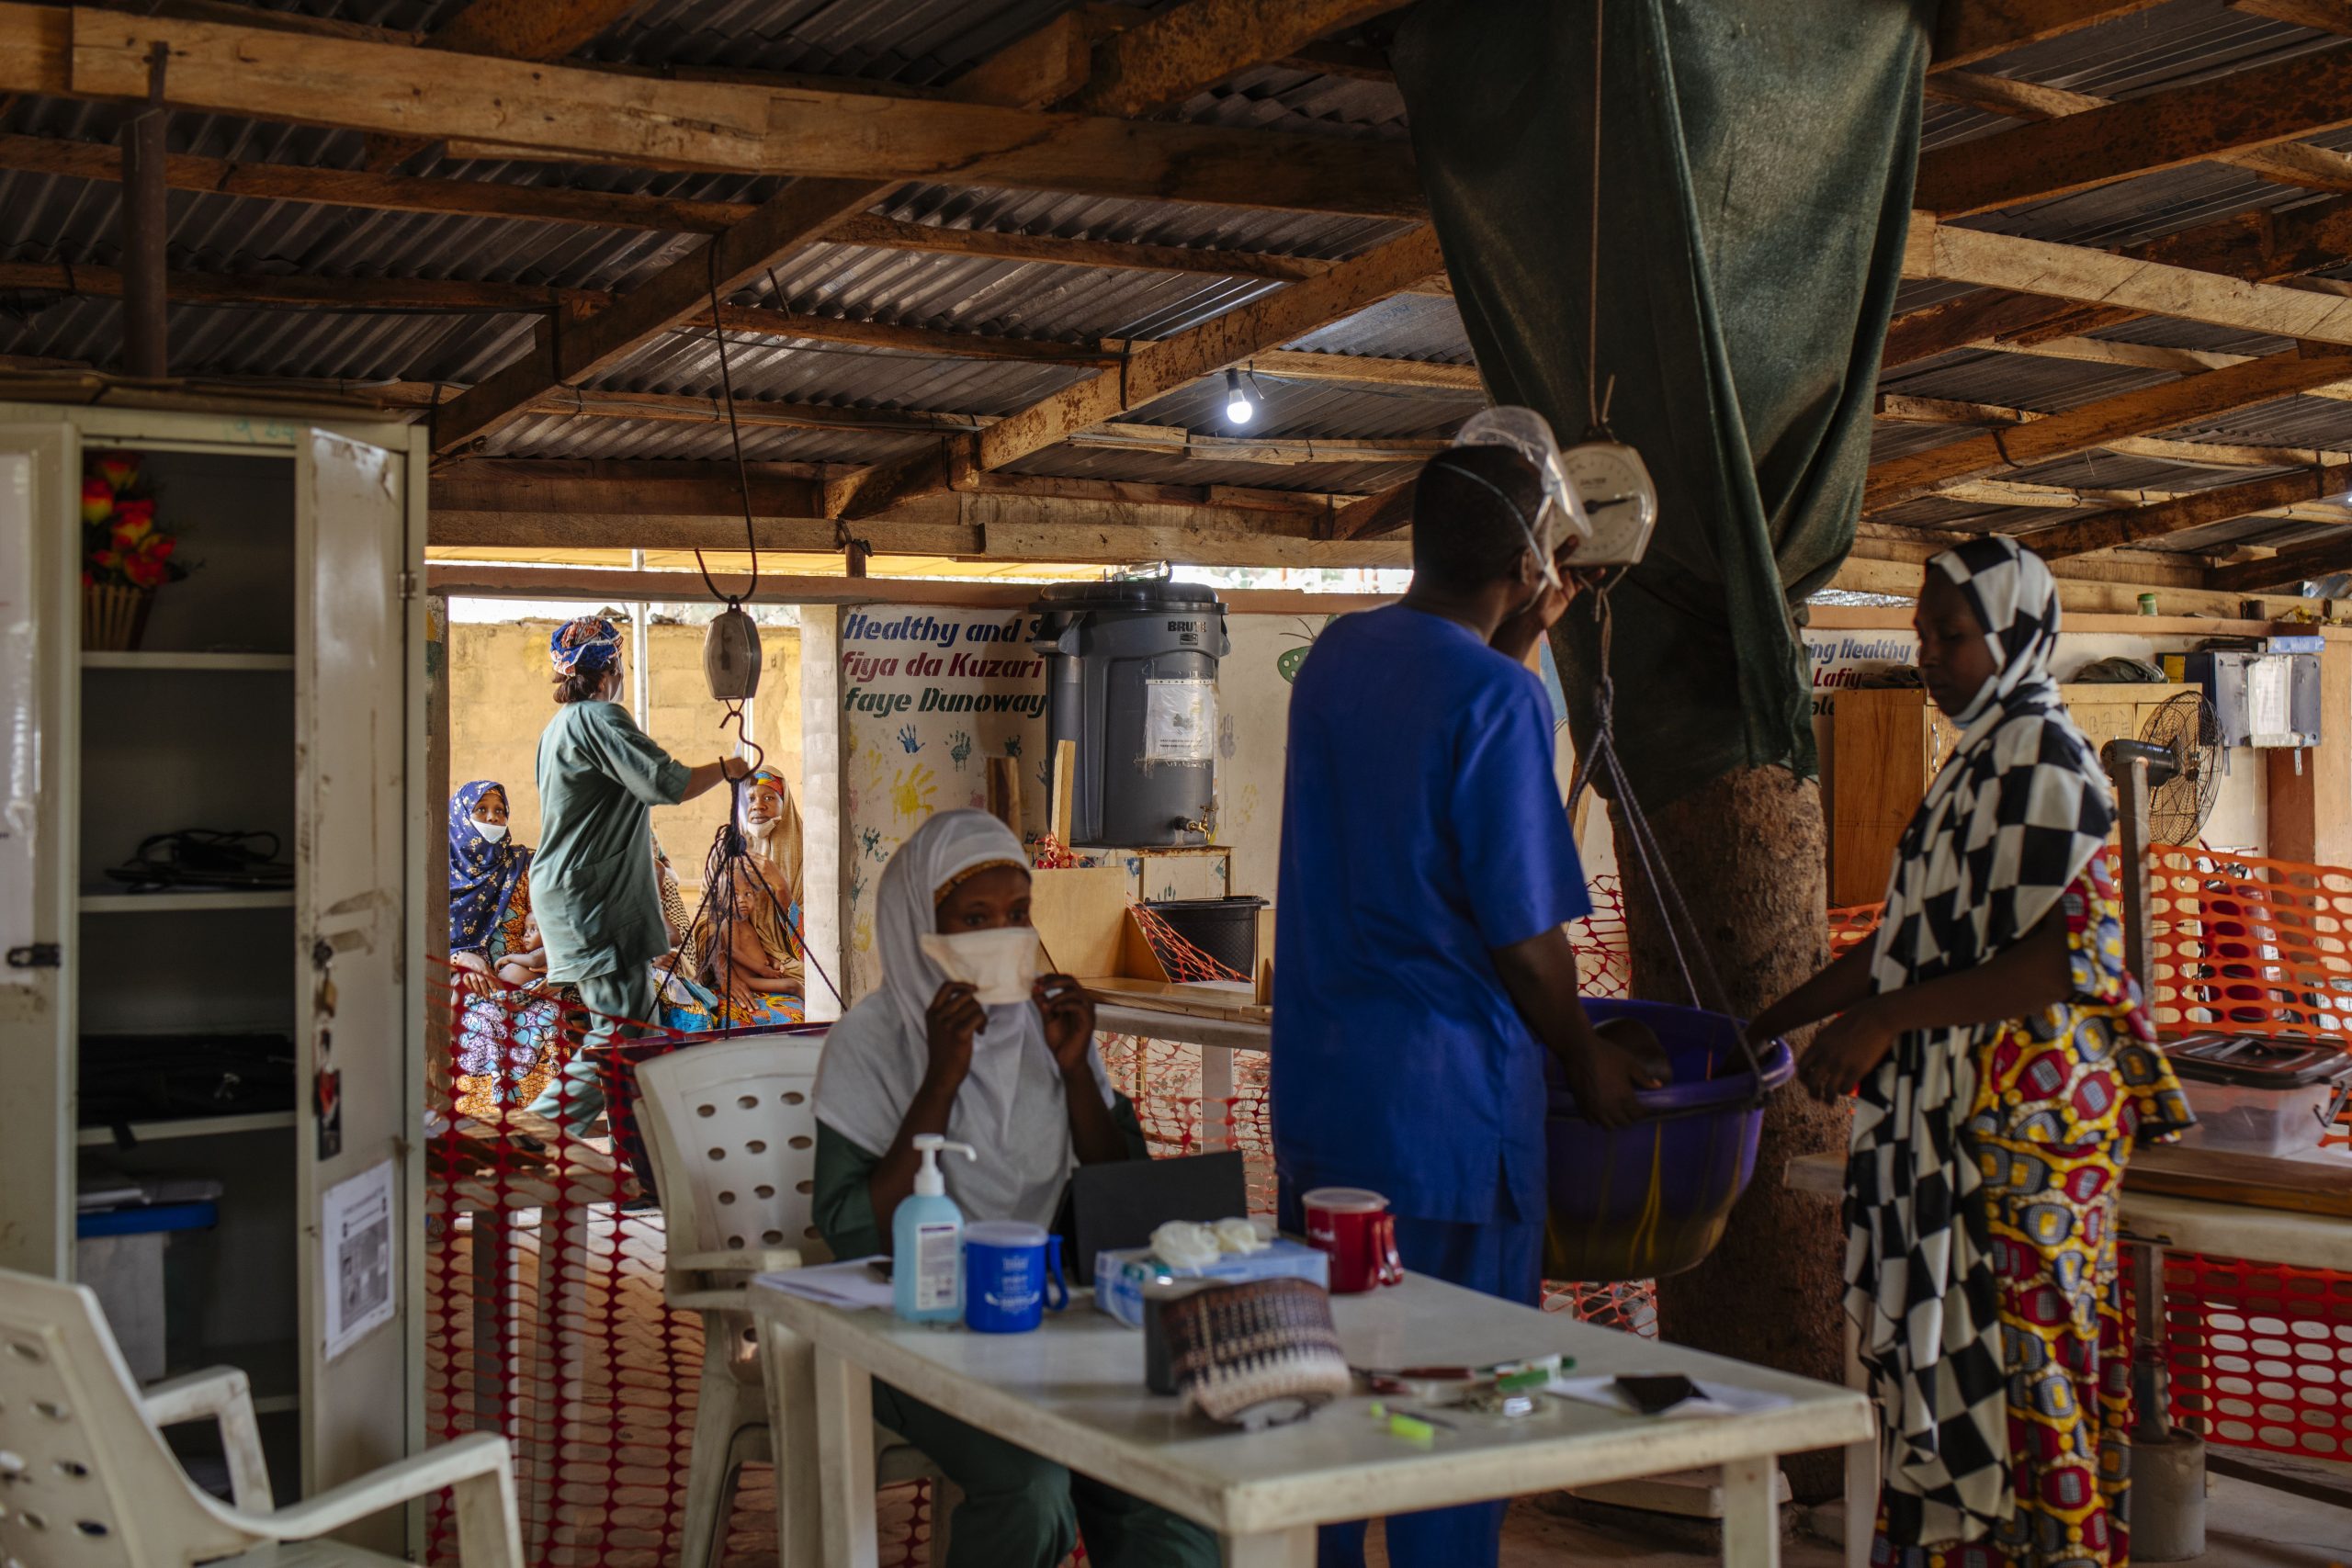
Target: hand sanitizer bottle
927,1242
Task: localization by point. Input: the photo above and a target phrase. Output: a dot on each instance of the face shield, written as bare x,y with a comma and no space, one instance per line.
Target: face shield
1562,520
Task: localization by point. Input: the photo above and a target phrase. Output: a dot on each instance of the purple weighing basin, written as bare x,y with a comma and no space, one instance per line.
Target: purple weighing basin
1653,1198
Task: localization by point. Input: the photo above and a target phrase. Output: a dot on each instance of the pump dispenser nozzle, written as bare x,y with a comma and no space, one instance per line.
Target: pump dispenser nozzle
929,1182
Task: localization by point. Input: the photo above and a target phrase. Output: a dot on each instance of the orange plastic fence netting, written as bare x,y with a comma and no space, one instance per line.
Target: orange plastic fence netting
544,1260
2242,944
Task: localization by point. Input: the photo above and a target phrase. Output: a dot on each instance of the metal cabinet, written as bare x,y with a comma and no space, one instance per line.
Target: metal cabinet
278,687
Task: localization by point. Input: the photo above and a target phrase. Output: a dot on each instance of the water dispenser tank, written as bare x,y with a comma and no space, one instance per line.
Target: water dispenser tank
1130,673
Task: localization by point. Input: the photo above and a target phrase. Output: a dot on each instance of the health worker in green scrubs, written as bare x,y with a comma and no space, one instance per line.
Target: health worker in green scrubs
592,882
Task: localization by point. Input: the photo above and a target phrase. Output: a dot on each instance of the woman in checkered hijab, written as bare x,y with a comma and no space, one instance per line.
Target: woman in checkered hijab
2006,1069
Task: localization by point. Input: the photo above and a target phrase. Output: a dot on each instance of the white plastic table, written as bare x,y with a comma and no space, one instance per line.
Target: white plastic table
1073,1392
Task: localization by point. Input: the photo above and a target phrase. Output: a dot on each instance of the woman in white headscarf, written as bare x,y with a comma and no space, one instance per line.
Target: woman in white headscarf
1021,1084
2006,1070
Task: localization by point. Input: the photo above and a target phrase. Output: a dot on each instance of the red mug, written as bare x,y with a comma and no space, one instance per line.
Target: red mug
1355,1230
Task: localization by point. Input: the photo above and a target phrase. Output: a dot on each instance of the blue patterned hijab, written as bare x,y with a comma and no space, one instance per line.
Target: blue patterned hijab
482,875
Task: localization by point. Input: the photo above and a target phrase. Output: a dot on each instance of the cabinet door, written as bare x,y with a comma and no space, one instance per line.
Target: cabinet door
352,1043
40,663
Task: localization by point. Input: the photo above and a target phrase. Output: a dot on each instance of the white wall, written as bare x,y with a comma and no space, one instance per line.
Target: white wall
2241,818
910,742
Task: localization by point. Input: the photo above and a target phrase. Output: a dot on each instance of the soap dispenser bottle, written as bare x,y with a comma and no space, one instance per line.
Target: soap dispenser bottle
927,1242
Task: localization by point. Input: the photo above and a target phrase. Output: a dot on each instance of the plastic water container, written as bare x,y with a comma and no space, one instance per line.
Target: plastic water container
1131,678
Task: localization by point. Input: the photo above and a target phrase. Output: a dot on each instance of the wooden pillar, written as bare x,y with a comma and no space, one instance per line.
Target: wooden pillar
146,224
2311,808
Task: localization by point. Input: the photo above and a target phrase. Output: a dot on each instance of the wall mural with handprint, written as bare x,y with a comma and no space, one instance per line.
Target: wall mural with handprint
930,695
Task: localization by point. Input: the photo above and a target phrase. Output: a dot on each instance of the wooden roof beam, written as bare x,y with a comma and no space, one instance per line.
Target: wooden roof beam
2321,16
2286,101
1115,524
624,209
1971,31
1950,253
2315,168
817,133
2257,246
2197,509
1166,58
2295,564
449,295
1151,371
2141,413
519,29
804,212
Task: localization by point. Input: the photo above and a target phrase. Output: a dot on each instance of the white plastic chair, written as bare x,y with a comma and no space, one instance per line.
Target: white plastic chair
87,1482
732,1127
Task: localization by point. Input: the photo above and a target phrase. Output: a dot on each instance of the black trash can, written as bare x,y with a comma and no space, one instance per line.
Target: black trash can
1224,930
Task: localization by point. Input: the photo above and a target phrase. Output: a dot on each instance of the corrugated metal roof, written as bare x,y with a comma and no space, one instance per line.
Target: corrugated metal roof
921,43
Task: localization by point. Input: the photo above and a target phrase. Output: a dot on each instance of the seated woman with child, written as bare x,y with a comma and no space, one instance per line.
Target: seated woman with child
747,940
506,1020
1021,1084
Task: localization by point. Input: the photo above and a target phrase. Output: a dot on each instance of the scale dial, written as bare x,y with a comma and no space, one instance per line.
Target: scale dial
1619,501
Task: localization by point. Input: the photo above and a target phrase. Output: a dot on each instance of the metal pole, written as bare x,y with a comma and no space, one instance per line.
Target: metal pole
641,696
2139,954
146,223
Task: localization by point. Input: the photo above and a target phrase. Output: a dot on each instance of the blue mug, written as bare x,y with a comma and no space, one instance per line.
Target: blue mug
1012,1273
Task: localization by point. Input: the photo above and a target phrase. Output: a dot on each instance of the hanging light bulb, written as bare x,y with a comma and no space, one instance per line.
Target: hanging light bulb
1241,402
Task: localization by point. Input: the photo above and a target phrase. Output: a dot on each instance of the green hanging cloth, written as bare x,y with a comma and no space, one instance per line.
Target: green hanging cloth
1755,174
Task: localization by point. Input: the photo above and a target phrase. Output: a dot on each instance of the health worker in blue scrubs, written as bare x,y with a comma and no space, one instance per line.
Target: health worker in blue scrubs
1427,868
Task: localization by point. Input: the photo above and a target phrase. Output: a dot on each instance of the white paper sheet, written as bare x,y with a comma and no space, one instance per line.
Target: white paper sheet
849,1285
356,1256
1179,721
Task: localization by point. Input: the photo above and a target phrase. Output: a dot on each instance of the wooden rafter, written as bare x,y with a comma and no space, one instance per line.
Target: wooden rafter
2324,16
1007,518
2197,509
804,212
741,321
2258,246
2248,109
2315,168
1385,513
448,295
1151,371
1952,254
2094,424
519,29
1174,54
1904,409
1971,31
665,485
625,210
2298,563
807,131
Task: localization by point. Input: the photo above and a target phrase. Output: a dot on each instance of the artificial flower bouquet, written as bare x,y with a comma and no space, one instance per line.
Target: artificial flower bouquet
126,555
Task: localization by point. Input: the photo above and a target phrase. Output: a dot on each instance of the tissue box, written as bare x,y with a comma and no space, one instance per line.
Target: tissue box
1120,1277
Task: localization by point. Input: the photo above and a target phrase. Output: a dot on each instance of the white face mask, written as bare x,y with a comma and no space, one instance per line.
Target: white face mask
492,832
1004,963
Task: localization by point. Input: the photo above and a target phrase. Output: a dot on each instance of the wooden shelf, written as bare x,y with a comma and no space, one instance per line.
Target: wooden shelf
233,662
188,1127
167,903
